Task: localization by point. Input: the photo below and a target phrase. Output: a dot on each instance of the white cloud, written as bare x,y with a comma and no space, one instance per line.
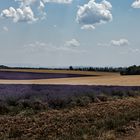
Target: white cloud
59,1
41,5
117,43
5,29
88,27
121,42
41,9
49,47
29,10
24,14
25,2
92,13
136,4
72,43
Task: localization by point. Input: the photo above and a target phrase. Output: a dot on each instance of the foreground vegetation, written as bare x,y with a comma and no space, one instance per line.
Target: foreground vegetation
83,117
96,121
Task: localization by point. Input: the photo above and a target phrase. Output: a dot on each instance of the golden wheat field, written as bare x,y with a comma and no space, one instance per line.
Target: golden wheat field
92,78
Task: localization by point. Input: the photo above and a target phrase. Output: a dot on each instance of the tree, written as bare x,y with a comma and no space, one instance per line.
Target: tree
70,68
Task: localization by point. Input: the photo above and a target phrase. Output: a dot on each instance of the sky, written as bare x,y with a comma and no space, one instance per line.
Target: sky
58,33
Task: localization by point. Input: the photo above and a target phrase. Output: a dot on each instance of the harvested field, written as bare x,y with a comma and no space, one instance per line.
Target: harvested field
65,77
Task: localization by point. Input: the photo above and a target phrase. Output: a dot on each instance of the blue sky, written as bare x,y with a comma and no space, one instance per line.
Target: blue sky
69,32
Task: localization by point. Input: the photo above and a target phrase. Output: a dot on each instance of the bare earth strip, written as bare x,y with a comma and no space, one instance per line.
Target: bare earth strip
93,80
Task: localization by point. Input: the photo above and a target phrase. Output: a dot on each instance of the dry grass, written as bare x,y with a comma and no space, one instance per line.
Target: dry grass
100,121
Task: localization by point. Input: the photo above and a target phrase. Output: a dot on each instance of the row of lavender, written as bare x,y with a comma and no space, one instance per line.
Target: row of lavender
17,98
62,91
31,75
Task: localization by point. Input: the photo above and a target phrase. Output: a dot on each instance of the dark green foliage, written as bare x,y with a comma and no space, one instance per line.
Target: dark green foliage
70,68
81,101
3,67
4,108
12,101
132,70
102,98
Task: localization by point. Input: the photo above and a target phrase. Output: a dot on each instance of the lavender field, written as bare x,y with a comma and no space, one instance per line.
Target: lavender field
11,75
48,92
62,91
71,106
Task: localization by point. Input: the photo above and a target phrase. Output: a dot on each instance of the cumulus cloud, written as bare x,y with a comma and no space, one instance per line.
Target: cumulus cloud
24,14
88,27
59,1
25,2
117,43
72,43
92,14
136,4
121,42
29,10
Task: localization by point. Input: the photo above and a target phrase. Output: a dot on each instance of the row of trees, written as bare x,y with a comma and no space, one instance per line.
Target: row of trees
100,69
132,70
3,67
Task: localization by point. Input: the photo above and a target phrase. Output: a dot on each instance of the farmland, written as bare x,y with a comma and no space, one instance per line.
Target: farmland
35,104
69,78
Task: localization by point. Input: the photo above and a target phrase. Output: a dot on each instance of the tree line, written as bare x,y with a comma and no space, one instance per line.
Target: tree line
132,70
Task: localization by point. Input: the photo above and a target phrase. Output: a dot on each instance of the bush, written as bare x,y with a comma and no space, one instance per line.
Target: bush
12,101
58,103
83,101
119,93
3,108
23,104
38,105
102,98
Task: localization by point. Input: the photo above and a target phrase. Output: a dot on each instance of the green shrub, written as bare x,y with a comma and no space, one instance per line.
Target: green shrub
38,105
23,104
83,101
102,98
12,101
3,108
58,103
